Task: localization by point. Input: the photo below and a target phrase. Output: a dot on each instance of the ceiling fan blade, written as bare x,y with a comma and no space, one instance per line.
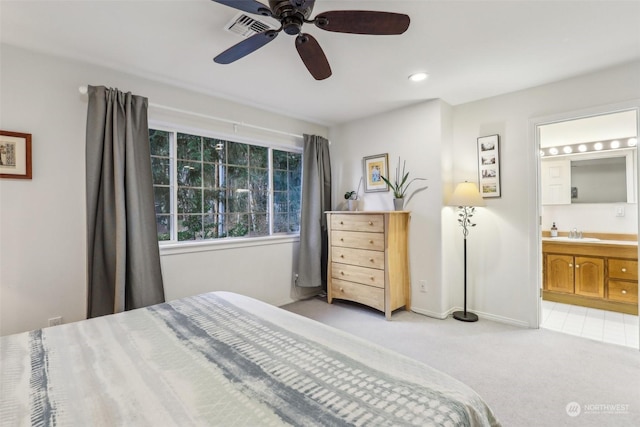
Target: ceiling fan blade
251,6
313,57
245,47
363,22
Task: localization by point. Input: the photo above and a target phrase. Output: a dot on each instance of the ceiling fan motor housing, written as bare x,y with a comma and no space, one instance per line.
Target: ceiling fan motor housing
291,17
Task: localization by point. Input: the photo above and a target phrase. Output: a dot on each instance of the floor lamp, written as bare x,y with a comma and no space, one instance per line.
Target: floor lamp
466,197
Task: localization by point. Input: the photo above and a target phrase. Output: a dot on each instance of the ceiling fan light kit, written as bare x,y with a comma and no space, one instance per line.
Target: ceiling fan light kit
292,14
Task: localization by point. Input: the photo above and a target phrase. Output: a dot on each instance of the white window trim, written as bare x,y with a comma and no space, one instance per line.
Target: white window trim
192,246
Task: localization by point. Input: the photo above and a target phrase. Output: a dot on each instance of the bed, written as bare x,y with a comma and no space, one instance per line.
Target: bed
220,359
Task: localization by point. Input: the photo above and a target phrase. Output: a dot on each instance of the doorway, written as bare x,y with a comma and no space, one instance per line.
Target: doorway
588,242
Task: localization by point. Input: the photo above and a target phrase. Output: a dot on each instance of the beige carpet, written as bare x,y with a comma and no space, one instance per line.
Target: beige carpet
529,377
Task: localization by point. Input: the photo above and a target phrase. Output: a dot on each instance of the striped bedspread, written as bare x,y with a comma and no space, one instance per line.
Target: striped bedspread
220,359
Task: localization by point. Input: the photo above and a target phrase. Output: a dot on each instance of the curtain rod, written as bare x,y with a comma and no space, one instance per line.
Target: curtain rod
83,90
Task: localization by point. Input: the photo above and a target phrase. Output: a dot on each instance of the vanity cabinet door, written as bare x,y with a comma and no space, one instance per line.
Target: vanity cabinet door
559,273
589,276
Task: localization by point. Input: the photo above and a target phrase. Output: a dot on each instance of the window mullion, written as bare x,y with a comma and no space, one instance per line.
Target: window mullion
202,207
174,185
270,197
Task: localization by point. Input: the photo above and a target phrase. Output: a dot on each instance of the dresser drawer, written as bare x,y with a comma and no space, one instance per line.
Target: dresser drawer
367,295
358,239
361,257
365,222
354,273
623,269
623,291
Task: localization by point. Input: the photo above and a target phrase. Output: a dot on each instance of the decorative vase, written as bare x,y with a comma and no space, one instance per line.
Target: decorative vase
352,205
398,204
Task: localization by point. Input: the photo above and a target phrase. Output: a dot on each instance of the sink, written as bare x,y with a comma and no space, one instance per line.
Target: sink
569,239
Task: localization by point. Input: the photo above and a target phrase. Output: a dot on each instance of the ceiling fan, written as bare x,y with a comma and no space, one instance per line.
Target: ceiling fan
293,13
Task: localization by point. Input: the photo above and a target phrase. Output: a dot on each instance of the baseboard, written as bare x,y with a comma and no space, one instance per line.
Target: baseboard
430,313
499,319
482,315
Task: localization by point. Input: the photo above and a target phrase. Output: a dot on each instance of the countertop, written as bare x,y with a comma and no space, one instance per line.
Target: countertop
590,241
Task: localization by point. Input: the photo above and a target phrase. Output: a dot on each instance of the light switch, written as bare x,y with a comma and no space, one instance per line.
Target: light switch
619,210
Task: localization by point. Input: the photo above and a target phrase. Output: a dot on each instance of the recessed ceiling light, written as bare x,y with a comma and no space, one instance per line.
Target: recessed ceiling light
567,150
597,146
418,77
553,151
615,144
632,142
582,148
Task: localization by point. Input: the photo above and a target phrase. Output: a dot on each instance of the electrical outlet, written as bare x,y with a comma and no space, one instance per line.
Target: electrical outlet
423,285
55,321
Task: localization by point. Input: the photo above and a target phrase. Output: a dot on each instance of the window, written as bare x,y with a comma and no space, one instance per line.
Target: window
209,188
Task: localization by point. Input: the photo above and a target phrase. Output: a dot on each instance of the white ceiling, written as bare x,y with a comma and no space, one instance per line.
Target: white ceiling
471,49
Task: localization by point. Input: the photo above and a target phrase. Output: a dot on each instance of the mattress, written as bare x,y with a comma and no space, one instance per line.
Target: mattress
220,359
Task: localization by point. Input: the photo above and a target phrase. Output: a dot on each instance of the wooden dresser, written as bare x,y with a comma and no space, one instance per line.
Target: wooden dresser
369,259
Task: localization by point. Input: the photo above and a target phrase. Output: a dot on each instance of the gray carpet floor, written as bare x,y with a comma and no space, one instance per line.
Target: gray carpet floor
529,377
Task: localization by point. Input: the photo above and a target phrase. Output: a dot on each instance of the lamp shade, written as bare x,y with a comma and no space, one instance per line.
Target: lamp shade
466,194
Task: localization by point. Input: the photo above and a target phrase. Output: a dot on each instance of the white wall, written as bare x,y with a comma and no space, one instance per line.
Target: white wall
415,134
503,261
42,221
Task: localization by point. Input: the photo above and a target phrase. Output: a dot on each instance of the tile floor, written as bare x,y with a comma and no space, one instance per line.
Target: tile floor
600,325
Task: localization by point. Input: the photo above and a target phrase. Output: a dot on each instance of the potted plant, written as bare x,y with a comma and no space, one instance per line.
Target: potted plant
352,198
401,185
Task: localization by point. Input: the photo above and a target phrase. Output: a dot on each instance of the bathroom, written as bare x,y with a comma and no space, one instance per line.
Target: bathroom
589,219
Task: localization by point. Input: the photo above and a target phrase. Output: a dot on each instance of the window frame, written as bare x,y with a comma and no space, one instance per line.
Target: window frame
175,246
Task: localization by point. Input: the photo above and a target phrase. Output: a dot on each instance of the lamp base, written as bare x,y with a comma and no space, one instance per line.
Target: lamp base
465,316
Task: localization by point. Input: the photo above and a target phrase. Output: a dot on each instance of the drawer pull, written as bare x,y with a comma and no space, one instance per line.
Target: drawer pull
371,241
342,273
341,289
577,265
341,256
570,265
341,223
623,292
371,259
373,278
624,270
341,239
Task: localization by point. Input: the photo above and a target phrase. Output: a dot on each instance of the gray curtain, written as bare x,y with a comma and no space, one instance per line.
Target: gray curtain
122,247
316,200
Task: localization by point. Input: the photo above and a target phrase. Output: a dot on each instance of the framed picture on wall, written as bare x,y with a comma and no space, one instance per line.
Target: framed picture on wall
373,168
489,165
15,155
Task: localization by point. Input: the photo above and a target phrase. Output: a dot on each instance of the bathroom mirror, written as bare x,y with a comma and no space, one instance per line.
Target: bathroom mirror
599,180
607,177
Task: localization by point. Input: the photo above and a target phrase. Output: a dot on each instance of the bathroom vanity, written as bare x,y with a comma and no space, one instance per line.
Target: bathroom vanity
591,272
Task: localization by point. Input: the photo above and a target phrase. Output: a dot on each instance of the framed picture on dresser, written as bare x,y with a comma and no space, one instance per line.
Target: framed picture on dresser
374,167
